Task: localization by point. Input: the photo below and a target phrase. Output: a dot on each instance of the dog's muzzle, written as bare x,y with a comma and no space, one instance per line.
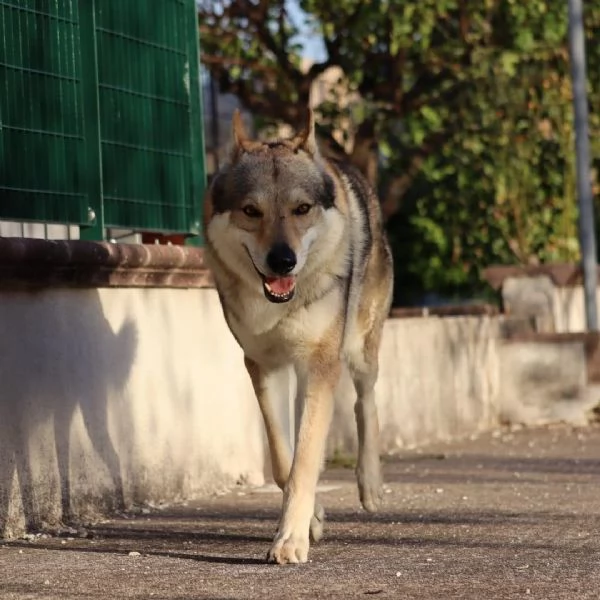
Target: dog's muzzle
281,260
281,286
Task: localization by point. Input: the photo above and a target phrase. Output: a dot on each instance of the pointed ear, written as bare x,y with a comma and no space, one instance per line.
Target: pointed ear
306,139
240,137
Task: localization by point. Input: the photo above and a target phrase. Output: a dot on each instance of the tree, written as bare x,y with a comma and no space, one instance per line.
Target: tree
462,116
398,56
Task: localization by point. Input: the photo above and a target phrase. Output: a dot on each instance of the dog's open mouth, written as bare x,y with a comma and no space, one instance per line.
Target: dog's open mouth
279,289
276,289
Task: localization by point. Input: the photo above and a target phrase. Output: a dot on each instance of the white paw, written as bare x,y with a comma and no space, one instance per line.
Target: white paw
288,549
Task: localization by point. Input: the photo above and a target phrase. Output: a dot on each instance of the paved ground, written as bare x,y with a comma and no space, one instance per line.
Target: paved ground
510,515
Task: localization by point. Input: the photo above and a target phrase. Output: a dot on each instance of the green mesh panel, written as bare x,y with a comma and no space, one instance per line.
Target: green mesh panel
42,144
100,108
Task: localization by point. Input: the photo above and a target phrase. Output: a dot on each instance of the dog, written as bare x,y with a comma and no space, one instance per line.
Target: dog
298,252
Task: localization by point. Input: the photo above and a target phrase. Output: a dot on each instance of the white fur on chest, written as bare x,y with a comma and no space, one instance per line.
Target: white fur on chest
277,340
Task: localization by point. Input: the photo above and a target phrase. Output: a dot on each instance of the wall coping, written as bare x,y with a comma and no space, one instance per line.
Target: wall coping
561,274
33,263
27,263
591,338
445,310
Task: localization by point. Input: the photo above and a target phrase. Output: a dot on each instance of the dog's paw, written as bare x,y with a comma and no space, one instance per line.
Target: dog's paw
316,523
289,549
370,488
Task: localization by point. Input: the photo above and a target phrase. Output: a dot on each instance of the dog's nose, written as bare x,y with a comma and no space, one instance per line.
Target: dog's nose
281,259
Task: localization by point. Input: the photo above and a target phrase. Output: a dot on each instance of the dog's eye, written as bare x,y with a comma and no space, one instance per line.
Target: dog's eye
251,211
302,209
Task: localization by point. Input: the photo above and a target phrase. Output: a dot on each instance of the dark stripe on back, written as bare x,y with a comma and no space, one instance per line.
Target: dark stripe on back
362,190
326,197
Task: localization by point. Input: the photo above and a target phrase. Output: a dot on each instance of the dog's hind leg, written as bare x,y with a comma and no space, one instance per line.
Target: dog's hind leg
368,469
281,459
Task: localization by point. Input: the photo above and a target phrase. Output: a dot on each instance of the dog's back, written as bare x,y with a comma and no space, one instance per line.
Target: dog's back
371,271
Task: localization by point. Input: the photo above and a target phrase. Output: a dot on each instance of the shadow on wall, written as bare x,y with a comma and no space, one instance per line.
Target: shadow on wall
60,362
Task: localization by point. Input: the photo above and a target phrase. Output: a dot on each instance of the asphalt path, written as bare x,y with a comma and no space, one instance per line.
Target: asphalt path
511,514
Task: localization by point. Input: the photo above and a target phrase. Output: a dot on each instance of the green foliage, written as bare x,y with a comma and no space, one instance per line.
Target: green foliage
502,189
468,104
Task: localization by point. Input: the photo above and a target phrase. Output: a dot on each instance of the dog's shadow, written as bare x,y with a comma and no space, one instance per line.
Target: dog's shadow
59,357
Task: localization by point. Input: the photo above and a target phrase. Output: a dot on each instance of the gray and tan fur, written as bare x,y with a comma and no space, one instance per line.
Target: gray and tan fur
304,273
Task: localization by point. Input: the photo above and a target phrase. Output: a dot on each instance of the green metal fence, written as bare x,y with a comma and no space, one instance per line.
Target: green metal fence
100,114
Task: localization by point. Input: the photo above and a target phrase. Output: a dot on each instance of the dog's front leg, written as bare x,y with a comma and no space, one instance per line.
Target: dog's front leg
263,383
319,380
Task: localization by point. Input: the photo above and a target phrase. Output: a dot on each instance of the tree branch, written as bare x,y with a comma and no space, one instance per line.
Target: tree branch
257,16
222,61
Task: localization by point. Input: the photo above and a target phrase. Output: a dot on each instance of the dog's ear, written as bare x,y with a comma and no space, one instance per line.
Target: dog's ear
306,139
240,137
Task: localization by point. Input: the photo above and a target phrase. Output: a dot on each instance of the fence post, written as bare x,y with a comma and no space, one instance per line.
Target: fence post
196,130
587,236
91,120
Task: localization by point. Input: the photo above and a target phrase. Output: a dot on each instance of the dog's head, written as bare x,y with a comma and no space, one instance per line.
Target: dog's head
267,208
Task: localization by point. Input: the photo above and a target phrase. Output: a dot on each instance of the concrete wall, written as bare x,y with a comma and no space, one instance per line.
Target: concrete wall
99,387
545,382
569,308
438,380
552,307
138,395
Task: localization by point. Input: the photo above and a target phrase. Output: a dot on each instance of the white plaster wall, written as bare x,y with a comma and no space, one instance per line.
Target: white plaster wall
438,380
558,309
569,309
145,390
545,383
98,387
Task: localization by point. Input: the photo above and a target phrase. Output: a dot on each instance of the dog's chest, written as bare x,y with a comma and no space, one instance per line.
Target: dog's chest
272,346
271,334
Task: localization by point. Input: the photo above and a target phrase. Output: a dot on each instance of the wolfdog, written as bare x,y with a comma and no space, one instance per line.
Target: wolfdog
298,252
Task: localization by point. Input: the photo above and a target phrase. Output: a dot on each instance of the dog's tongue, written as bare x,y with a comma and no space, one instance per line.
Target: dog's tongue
280,285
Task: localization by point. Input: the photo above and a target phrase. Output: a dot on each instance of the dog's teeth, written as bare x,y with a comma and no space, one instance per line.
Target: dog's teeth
276,294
